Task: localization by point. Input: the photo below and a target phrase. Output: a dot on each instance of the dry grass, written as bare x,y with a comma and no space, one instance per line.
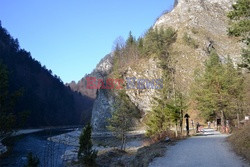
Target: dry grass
240,141
111,158
145,155
141,158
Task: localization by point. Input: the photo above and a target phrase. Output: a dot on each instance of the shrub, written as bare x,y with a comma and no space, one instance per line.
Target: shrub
33,161
240,141
190,41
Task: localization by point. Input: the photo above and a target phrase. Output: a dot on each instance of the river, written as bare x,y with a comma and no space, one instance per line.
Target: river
49,153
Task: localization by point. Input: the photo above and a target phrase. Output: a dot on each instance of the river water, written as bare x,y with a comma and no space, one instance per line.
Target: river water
49,153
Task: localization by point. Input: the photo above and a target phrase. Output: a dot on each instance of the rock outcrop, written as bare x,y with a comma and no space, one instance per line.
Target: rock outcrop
143,97
206,23
203,21
102,69
102,110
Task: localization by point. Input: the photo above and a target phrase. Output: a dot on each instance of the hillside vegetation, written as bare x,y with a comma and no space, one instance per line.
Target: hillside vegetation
240,141
44,100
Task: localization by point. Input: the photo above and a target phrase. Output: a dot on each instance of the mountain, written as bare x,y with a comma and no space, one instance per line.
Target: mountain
47,100
102,69
201,26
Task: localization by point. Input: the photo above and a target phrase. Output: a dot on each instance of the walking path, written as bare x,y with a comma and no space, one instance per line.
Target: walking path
208,150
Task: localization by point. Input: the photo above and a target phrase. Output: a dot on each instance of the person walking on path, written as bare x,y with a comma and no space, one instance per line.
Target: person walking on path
197,127
208,124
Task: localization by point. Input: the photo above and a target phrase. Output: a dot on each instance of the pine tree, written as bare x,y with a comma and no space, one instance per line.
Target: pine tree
86,154
169,104
239,16
235,85
208,91
131,39
122,119
218,89
158,120
33,161
240,27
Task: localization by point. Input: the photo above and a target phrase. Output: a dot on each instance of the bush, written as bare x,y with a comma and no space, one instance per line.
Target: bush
33,161
145,155
240,141
190,41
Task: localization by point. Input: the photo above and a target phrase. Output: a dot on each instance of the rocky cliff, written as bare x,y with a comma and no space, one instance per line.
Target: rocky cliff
102,69
204,24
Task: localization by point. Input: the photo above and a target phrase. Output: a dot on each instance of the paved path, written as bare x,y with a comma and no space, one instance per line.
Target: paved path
209,150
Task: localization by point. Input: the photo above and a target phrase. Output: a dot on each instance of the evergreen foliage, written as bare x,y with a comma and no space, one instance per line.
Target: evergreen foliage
169,103
167,112
122,119
240,27
218,91
239,16
33,161
156,42
86,154
131,39
46,98
7,103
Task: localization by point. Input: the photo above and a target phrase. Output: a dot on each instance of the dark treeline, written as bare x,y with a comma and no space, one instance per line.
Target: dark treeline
44,99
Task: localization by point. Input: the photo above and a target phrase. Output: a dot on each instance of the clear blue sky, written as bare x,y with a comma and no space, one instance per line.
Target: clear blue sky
71,36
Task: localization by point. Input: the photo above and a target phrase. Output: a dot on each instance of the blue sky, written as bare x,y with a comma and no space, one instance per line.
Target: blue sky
71,36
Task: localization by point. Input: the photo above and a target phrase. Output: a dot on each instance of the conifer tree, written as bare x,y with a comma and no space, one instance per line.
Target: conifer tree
240,27
122,119
86,154
169,104
218,89
131,40
33,161
239,16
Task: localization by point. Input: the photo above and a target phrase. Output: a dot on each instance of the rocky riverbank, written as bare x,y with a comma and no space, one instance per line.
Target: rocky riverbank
103,142
3,149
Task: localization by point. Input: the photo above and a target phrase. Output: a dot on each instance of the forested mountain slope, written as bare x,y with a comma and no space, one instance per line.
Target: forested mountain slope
44,96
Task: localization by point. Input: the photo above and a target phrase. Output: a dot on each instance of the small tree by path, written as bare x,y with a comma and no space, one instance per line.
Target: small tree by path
86,154
122,119
33,161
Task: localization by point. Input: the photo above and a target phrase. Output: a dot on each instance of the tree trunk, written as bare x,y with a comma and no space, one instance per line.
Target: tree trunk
181,128
223,125
123,141
176,130
238,120
181,120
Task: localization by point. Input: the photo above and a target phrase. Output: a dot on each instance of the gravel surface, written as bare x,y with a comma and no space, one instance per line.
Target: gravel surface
208,150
